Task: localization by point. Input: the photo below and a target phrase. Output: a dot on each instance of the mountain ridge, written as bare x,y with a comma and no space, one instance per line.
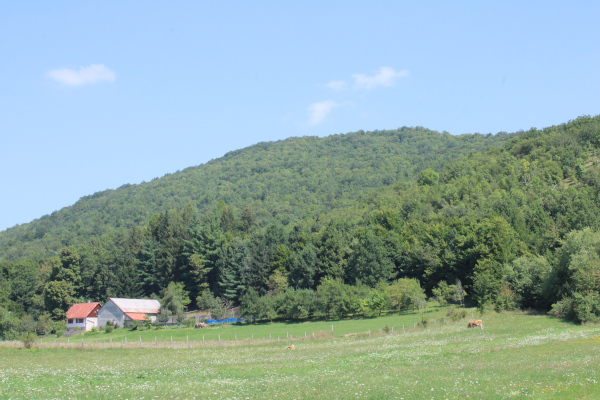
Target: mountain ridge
290,179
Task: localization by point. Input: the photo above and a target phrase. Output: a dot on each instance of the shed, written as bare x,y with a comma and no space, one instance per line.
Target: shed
123,311
83,315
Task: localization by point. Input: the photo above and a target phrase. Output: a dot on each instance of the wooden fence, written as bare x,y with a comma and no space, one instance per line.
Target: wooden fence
95,343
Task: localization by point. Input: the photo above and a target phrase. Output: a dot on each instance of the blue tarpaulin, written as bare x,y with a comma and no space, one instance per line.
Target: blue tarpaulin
224,321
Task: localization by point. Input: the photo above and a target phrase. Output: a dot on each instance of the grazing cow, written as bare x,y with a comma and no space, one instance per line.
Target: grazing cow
290,347
200,325
475,323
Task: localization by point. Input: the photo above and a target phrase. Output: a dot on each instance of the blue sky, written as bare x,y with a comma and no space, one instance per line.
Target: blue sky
94,96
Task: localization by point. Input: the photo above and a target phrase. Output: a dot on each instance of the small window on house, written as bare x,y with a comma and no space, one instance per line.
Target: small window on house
80,320
70,321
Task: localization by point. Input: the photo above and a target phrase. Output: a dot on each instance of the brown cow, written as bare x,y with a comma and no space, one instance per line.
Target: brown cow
290,347
475,323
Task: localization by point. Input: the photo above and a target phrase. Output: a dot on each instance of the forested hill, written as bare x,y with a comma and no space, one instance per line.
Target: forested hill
344,225
278,182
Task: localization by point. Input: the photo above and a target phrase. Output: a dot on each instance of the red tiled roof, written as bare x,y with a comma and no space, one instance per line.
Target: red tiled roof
136,316
83,310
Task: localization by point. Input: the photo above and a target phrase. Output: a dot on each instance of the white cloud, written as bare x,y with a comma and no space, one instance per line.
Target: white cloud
337,85
318,111
85,76
385,77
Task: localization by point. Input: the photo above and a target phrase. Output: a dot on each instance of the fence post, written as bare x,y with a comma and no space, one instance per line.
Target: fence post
403,330
304,335
278,338
219,340
187,338
122,343
202,338
392,330
103,344
68,340
269,335
110,340
82,343
236,339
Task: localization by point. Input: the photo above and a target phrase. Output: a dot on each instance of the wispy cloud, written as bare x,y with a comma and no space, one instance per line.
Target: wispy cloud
337,85
385,77
84,76
318,111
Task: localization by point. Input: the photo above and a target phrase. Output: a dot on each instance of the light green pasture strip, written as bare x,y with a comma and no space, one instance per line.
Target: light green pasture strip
515,356
260,330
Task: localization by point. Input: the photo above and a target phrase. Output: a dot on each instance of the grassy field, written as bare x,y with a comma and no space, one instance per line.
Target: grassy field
515,356
255,331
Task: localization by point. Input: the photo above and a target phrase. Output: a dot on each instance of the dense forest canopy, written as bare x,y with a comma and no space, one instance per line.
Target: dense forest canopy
282,182
348,224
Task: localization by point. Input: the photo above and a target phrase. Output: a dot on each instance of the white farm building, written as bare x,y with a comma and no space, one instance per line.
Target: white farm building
123,311
83,316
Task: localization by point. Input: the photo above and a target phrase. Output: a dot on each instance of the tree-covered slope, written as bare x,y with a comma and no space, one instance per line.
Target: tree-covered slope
284,181
516,224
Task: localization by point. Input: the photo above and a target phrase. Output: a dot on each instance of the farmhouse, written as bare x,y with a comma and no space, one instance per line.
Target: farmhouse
123,311
83,315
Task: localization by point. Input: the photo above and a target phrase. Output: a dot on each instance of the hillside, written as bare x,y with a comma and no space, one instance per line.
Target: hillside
345,225
284,181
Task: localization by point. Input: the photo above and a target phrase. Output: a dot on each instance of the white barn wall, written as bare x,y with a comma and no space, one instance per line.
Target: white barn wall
110,312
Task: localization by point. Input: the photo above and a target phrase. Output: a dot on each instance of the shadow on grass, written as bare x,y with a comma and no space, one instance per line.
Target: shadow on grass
288,322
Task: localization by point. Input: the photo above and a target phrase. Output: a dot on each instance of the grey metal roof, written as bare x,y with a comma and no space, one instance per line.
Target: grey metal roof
137,305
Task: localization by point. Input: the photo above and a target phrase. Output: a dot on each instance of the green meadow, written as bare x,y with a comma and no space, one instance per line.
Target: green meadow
516,355
260,331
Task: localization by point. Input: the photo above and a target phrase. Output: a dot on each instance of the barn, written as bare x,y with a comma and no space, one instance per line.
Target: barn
83,316
123,311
